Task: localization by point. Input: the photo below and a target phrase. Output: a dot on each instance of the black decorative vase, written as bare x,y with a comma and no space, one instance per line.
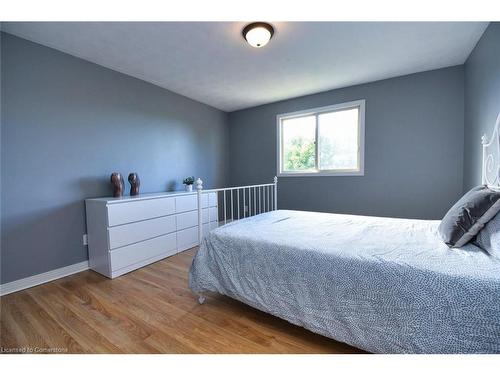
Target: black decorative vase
135,182
118,184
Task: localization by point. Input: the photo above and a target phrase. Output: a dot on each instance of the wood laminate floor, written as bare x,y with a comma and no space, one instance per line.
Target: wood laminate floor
150,310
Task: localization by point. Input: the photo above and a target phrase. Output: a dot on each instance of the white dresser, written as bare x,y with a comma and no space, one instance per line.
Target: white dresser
130,232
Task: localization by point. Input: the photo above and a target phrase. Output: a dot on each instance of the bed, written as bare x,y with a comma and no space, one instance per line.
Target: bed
384,285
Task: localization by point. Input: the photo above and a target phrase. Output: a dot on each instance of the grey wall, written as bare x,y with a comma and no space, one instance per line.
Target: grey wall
66,125
482,100
413,154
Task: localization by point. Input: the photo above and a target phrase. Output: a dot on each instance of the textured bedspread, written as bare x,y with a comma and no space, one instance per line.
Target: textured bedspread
381,284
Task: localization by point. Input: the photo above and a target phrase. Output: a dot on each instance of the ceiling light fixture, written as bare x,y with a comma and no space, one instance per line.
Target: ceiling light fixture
258,34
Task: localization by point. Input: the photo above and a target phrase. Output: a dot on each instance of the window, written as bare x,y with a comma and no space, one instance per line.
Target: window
326,141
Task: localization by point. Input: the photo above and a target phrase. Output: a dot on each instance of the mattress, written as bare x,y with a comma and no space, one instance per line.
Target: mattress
384,285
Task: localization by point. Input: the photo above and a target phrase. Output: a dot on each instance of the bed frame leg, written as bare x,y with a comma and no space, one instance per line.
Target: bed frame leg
201,299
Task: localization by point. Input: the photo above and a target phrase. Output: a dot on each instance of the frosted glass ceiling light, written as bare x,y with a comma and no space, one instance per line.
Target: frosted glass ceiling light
258,34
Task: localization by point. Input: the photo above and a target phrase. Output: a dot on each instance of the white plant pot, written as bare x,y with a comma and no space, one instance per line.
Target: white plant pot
189,187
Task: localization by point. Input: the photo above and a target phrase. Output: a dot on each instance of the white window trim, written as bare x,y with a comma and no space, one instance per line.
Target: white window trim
330,108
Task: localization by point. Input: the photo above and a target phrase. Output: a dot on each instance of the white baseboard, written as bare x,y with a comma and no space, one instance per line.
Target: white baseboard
42,278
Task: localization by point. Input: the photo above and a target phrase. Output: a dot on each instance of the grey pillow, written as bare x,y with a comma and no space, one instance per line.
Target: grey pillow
469,215
488,238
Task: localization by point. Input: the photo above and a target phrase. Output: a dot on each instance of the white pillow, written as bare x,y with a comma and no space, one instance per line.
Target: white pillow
488,238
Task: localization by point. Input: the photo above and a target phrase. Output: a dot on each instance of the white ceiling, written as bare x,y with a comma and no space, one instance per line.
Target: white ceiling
211,63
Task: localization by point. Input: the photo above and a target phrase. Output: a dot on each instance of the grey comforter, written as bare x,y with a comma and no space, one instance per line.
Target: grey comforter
381,284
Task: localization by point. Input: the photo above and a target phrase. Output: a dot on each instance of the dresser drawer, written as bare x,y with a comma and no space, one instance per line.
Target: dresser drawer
214,214
135,232
128,212
190,202
213,200
186,203
190,219
187,220
139,252
187,238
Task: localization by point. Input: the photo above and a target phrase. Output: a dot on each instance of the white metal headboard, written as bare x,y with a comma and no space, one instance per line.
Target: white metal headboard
491,158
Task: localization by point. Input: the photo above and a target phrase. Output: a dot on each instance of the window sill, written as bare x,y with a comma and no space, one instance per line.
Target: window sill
322,174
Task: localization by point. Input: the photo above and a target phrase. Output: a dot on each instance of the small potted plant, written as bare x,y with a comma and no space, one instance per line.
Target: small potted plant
188,182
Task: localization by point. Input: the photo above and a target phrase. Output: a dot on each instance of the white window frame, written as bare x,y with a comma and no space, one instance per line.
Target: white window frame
316,111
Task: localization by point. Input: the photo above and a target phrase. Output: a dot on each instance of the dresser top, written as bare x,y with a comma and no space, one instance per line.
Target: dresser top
128,198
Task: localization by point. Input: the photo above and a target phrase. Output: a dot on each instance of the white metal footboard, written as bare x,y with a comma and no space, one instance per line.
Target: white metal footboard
235,203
